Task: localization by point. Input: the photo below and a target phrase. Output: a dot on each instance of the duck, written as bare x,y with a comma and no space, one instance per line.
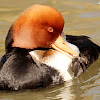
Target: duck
38,54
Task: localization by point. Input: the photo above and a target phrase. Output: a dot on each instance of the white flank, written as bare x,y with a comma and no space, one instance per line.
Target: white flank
58,61
61,63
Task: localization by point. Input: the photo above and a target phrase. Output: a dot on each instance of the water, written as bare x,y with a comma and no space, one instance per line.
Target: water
82,17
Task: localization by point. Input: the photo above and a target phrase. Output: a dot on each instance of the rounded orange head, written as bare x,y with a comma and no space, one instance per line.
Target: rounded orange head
37,27
40,26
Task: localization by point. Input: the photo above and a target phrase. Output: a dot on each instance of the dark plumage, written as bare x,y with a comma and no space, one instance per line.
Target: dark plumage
87,48
19,71
89,51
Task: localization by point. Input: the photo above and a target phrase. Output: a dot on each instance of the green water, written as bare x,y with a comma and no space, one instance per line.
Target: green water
82,17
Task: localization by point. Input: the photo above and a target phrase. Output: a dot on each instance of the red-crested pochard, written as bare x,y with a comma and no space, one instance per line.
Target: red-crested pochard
39,55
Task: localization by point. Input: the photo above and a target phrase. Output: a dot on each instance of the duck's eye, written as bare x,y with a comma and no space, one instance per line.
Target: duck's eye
50,29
